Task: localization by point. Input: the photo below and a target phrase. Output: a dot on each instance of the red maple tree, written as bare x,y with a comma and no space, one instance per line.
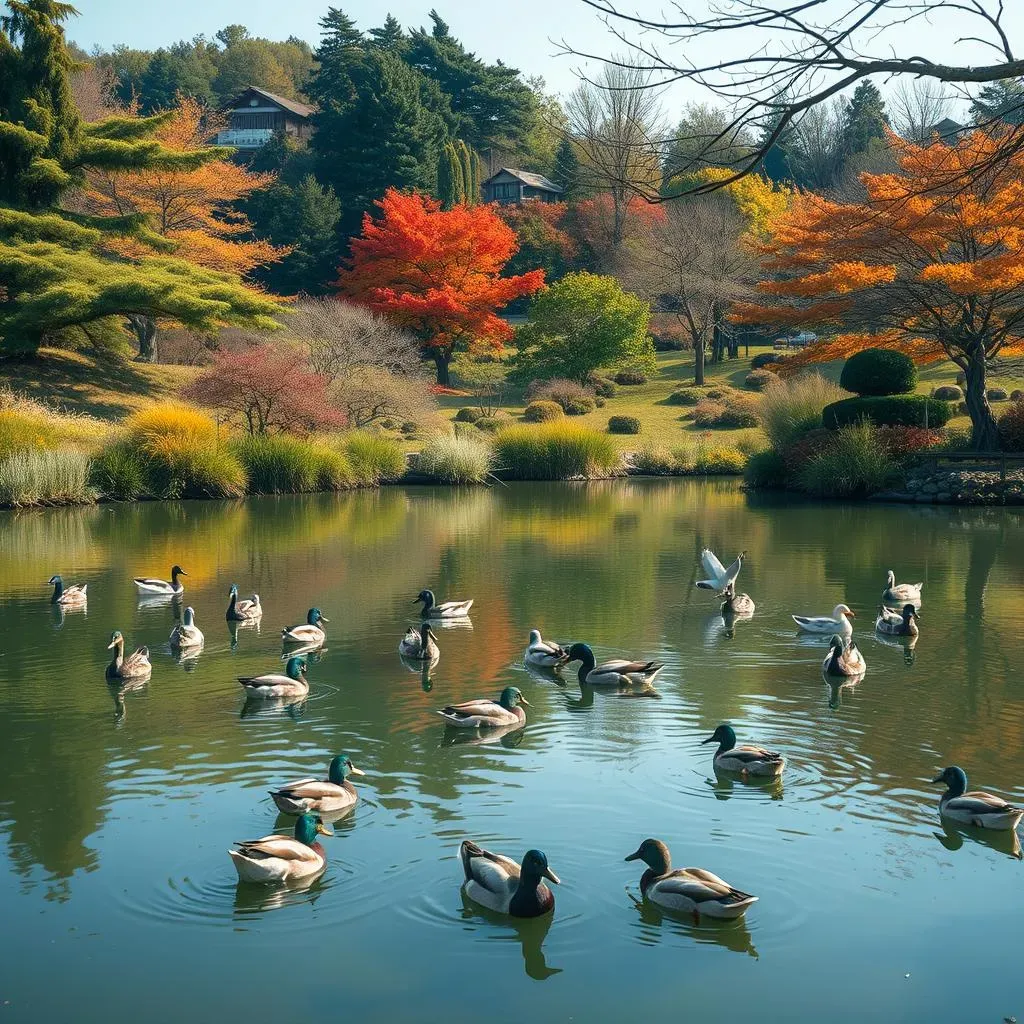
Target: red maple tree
437,273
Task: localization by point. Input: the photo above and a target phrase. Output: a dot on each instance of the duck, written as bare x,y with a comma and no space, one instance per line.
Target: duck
982,810
272,684
687,889
719,576
544,653
736,604
73,594
444,610
488,714
420,644
843,658
186,633
282,858
150,585
240,611
310,795
894,624
309,632
745,759
900,593
500,884
617,672
135,666
838,623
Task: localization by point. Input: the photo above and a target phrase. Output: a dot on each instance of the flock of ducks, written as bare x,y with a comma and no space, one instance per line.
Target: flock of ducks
493,880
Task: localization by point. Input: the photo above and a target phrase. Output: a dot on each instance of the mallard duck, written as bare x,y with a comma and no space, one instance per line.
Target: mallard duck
273,684
241,611
976,808
186,633
617,672
73,594
487,714
306,795
745,759
444,610
309,632
893,624
739,605
687,889
419,644
134,666
719,576
838,623
900,593
150,585
500,884
543,653
282,858
843,658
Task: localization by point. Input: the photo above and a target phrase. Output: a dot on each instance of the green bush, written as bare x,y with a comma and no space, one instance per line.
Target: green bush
1011,428
720,459
651,460
948,393
888,410
997,394
456,459
579,406
630,377
691,394
467,414
758,380
879,371
763,359
490,424
1016,395
48,476
281,464
543,411
119,471
790,408
623,425
555,451
603,387
854,463
373,458
766,469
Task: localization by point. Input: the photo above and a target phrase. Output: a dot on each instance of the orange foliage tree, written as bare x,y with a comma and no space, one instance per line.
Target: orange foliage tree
930,263
437,273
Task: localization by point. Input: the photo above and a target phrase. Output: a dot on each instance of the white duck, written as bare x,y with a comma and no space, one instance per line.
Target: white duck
901,593
151,585
544,653
838,623
719,576
186,633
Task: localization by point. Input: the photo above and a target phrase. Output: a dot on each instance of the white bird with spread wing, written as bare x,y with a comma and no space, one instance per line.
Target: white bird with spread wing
719,576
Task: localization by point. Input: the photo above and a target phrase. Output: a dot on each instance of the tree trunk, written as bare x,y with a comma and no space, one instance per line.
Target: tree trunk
984,431
717,343
698,361
144,329
442,357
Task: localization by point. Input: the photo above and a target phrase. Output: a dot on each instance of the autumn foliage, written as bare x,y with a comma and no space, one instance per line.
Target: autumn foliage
930,263
437,273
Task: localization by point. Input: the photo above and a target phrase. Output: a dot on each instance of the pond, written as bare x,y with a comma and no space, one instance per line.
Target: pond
117,808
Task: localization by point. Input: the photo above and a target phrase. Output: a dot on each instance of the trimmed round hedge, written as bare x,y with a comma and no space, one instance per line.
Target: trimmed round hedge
879,371
542,412
763,359
630,377
758,380
623,425
948,393
468,415
887,411
578,406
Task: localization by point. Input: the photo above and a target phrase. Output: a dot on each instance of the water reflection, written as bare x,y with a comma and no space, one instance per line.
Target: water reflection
953,837
510,736
252,900
530,934
655,921
724,783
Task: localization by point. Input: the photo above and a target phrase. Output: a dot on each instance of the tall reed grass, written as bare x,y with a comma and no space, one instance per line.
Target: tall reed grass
373,458
853,463
29,425
47,476
791,407
456,459
555,451
281,464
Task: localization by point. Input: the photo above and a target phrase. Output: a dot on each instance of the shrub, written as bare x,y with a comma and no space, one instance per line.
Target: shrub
286,465
879,371
119,471
468,415
456,459
578,406
27,423
901,442
490,424
603,387
962,409
729,414
707,413
623,425
1011,428
49,476
766,469
1016,395
651,460
997,394
792,407
758,380
763,359
668,335
720,459
853,464
694,393
543,412
555,451
805,448
373,458
630,377
893,410
559,390
948,393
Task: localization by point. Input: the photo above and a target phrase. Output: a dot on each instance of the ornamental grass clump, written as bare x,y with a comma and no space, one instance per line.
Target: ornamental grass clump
27,424
280,464
853,463
790,408
555,451
373,458
48,476
456,459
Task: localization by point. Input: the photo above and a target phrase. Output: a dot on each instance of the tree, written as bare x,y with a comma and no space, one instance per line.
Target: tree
566,171
592,225
437,273
579,325
866,119
918,106
451,185
541,237
818,146
930,263
469,166
1001,101
390,36
271,388
703,138
248,62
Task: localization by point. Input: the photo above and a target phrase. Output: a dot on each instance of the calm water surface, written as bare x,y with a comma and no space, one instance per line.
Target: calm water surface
117,897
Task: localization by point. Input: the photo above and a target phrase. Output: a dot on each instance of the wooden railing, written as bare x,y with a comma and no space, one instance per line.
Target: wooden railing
979,459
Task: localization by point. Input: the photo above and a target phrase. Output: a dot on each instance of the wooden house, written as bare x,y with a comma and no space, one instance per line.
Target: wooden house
256,115
513,186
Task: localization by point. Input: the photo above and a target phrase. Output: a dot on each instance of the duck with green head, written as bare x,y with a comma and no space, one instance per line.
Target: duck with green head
983,810
152,585
272,684
311,795
895,624
488,714
843,658
282,858
309,632
687,890
617,672
244,610
73,594
745,759
133,666
443,610
505,887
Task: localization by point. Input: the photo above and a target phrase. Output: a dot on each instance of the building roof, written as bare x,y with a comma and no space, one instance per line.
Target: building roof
294,106
947,126
527,178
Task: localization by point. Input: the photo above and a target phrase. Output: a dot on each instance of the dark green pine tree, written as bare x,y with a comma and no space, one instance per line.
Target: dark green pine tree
468,164
390,36
778,164
451,184
567,170
999,101
866,119
341,51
